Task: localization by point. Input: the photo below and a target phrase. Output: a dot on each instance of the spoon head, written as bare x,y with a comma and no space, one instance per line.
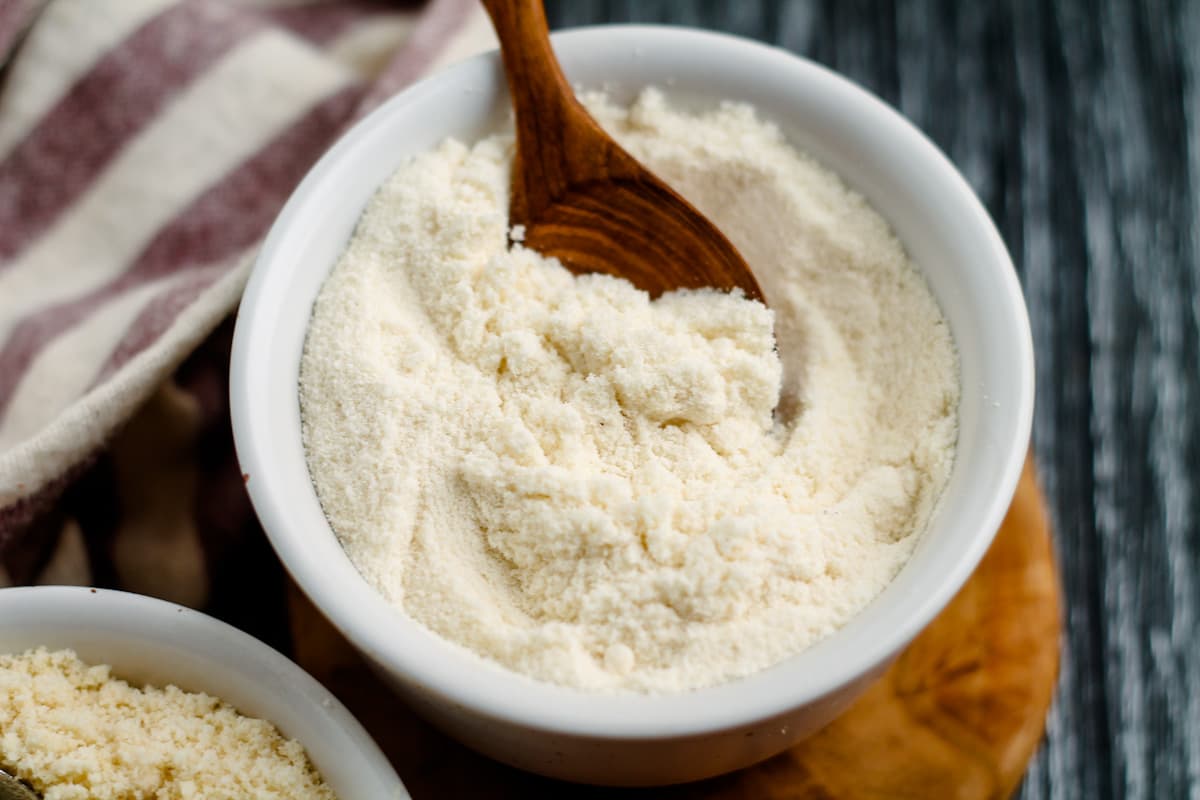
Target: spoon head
641,230
13,789
581,197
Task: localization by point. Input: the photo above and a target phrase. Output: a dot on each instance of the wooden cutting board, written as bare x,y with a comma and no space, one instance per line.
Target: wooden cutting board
957,716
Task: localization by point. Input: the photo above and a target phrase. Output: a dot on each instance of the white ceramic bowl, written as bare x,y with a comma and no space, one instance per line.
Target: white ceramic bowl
645,739
150,641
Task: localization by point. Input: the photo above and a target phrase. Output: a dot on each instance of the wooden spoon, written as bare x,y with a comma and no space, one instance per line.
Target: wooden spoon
581,197
14,789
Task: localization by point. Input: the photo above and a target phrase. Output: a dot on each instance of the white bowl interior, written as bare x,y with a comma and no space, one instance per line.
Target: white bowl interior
930,206
148,641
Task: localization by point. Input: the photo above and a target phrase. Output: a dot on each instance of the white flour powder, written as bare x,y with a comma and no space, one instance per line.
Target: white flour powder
74,732
591,488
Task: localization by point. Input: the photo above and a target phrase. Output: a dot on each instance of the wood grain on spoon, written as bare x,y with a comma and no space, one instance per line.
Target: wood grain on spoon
581,197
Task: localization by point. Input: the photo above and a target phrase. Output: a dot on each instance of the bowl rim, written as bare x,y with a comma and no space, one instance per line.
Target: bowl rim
127,616
502,695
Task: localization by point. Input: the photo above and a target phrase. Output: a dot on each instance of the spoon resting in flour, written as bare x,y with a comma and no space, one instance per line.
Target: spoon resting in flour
13,789
585,201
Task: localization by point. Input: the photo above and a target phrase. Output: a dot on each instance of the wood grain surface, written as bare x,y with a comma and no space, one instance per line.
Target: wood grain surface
584,200
957,716
1078,123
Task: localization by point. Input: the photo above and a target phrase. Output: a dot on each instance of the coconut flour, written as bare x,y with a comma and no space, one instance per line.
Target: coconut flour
74,732
609,492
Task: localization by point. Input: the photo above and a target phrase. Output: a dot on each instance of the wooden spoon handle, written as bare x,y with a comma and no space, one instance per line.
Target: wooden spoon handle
584,200
535,80
551,124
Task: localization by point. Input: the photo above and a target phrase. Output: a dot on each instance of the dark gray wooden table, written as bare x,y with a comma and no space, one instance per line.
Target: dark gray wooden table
1078,124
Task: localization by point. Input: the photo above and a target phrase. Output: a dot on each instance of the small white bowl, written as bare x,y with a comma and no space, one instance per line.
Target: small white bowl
148,641
628,739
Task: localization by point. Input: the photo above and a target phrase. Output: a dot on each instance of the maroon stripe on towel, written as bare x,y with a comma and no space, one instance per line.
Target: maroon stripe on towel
157,316
16,19
322,22
226,219
301,146
125,90
20,509
438,23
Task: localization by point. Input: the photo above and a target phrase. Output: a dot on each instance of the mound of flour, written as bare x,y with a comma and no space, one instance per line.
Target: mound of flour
604,491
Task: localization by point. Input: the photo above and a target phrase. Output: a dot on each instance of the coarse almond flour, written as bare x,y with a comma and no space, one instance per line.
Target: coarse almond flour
608,492
74,732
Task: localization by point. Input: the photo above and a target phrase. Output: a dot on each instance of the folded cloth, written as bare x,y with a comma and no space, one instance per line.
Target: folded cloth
145,147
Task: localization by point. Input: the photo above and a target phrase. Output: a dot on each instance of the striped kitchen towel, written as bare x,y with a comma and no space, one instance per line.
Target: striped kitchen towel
145,147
